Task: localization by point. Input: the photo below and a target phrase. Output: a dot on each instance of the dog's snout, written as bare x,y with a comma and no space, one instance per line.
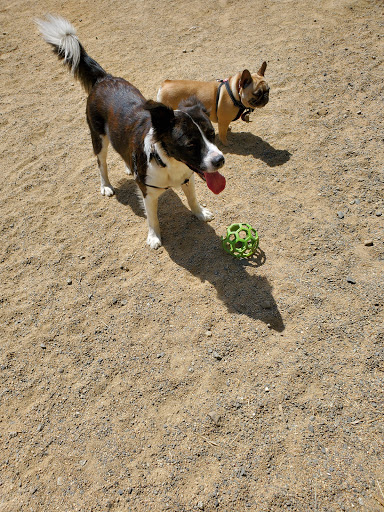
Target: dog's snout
218,160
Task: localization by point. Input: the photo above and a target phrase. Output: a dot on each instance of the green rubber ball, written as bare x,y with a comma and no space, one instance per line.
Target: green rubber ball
241,240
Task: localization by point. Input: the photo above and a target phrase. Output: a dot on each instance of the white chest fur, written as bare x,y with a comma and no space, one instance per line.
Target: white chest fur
174,174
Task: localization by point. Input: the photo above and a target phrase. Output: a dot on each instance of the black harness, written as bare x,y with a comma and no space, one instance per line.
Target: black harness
243,111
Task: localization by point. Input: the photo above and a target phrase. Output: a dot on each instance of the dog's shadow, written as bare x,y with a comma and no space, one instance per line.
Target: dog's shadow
246,143
127,193
196,247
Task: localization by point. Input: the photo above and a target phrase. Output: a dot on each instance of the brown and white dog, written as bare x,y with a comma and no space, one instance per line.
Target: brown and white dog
241,94
162,148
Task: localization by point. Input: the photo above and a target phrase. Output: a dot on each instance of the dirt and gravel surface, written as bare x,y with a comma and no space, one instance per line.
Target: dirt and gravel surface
182,379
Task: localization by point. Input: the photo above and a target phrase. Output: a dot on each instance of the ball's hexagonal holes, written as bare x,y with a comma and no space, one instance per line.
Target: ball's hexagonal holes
243,233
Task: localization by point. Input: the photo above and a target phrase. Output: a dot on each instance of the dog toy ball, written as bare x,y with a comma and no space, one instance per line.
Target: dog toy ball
241,240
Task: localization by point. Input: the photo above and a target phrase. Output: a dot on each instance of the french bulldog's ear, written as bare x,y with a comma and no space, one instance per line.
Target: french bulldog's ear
262,69
246,79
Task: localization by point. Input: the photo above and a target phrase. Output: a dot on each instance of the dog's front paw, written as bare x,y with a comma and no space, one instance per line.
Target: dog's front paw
128,170
205,215
107,191
153,241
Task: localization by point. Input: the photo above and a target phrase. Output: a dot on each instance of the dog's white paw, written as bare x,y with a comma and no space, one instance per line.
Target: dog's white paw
128,170
205,215
107,191
153,241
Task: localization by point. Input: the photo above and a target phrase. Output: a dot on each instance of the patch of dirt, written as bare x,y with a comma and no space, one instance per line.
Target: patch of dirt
182,379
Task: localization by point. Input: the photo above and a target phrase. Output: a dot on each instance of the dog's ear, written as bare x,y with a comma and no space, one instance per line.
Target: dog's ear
192,103
162,117
246,79
262,69
207,111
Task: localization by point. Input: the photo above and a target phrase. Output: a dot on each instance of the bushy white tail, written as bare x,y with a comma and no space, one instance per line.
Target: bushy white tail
59,33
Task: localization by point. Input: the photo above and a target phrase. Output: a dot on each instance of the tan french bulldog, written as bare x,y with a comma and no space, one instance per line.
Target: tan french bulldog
225,100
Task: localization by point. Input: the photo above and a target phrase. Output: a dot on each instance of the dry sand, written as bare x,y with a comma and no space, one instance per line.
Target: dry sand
182,379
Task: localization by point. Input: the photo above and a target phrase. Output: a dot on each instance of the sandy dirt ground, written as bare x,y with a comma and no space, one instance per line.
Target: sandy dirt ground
182,379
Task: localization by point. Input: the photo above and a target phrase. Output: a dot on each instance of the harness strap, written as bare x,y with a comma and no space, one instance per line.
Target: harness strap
237,103
166,188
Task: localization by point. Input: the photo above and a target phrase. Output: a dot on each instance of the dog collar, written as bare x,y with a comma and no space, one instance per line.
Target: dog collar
243,110
154,154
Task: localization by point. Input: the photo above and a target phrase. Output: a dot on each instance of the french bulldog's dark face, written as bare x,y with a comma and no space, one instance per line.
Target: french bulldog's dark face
254,90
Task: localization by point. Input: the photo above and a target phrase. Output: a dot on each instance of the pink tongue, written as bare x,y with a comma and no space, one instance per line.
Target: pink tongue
215,181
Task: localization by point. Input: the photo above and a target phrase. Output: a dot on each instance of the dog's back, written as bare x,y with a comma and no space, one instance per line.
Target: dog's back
173,92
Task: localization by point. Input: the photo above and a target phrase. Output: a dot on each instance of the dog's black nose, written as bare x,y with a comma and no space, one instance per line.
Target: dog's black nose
218,161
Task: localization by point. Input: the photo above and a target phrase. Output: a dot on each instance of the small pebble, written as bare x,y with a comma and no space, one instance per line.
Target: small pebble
241,471
200,505
351,280
42,345
60,480
40,427
69,281
217,356
368,243
322,111
215,417
340,215
379,213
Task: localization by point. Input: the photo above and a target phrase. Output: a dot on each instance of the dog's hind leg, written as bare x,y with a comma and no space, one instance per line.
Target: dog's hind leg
100,146
197,210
